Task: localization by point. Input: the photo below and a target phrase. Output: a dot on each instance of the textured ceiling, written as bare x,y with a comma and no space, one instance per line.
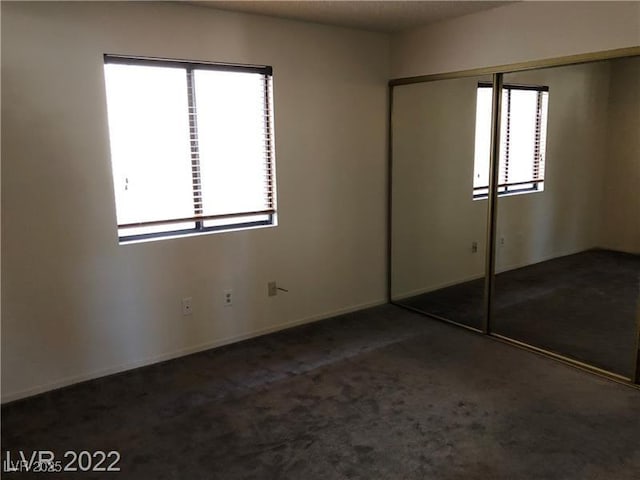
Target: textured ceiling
380,16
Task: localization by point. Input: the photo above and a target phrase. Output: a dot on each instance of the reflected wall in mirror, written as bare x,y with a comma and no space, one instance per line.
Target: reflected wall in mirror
438,229
568,247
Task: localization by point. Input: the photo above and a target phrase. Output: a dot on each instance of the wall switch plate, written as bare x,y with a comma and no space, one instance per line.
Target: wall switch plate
228,298
272,289
187,307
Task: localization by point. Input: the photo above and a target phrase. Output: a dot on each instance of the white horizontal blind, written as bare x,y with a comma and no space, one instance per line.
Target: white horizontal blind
149,145
541,138
522,139
482,142
521,124
210,166
234,142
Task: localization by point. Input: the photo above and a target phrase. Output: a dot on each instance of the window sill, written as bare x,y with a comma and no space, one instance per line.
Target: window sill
196,233
509,194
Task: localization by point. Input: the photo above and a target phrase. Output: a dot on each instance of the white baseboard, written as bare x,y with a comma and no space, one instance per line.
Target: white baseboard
431,288
502,269
67,381
543,258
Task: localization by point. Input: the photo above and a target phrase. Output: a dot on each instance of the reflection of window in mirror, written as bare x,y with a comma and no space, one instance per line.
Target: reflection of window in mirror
522,139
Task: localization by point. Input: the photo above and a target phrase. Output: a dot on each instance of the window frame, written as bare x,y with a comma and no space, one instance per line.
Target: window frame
198,218
503,188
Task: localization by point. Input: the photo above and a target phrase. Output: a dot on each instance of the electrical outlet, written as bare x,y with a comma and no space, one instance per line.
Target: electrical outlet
502,241
272,289
187,307
474,247
228,298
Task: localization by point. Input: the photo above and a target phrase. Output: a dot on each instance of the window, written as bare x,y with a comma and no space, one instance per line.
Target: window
522,139
191,146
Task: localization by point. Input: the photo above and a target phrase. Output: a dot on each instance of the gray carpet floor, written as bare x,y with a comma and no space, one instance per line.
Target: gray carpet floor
379,394
582,306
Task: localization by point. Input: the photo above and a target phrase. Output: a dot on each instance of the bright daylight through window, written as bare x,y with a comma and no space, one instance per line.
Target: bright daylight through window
191,146
522,139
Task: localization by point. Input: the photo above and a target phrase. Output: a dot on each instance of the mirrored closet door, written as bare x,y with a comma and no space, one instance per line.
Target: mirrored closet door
568,228
563,216
440,139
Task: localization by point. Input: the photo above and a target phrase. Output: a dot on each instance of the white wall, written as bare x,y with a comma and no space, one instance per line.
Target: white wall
517,32
566,217
435,217
75,304
621,207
